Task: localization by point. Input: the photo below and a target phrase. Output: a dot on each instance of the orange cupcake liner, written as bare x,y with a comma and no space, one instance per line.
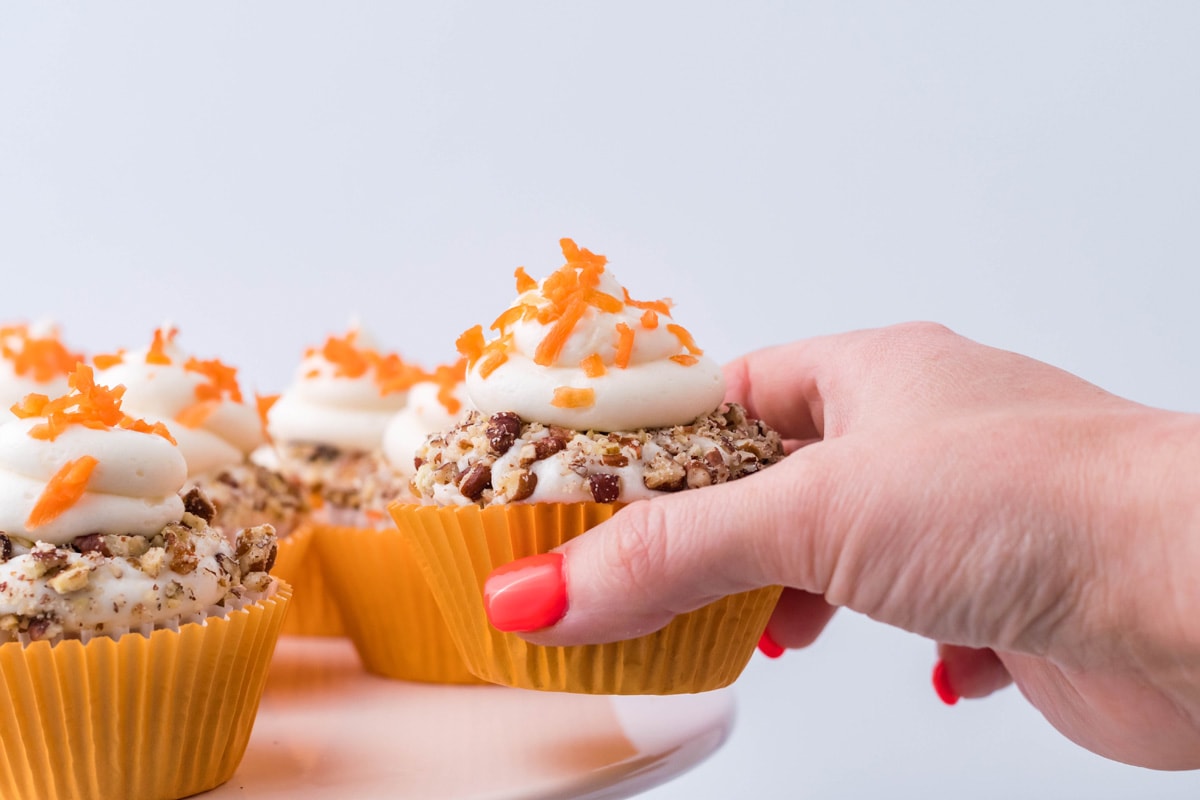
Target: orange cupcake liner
457,547
153,717
388,610
314,610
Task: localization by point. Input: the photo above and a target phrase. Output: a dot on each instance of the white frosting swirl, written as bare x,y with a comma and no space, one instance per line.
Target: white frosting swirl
133,489
160,392
325,407
651,391
423,415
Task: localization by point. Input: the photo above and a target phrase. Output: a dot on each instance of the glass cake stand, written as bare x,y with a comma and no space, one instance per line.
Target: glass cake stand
327,729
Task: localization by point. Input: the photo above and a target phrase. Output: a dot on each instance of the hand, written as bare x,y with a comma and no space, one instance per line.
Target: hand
1043,530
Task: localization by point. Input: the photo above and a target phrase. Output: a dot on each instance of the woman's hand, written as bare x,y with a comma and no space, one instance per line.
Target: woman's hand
1043,530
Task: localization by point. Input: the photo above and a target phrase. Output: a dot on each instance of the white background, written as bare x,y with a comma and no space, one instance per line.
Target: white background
1026,173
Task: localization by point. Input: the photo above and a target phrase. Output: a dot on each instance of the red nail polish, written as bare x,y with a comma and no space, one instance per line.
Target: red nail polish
941,684
527,594
768,646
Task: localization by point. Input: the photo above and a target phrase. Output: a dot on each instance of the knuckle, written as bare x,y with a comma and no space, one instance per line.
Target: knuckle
637,555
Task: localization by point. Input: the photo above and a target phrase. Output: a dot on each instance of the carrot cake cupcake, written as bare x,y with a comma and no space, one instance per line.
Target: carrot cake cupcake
586,400
135,636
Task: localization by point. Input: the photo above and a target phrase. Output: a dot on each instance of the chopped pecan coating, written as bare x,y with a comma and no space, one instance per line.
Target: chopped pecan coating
719,447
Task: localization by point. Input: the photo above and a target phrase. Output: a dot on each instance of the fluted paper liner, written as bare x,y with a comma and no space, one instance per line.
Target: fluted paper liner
153,718
388,610
314,611
458,547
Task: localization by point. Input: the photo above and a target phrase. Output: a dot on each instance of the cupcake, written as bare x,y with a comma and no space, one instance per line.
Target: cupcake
586,400
326,432
136,635
33,359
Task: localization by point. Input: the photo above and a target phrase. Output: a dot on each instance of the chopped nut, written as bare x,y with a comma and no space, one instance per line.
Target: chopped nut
6,547
194,502
478,478
71,579
152,561
503,429
605,488
698,475
92,543
548,446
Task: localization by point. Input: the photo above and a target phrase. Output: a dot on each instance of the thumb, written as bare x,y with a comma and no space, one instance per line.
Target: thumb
654,560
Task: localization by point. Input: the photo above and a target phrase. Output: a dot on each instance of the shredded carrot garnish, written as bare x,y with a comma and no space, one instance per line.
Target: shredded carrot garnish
222,380
570,397
263,403
88,404
685,339
470,344
195,415
650,319
349,360
493,359
157,353
141,426
524,282
624,345
107,360
514,314
685,359
312,373
549,348
604,301
448,377
394,374
661,306
42,358
63,491
30,406
593,366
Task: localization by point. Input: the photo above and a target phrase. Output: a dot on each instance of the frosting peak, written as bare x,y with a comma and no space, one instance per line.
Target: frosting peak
343,395
33,359
199,400
576,350
79,464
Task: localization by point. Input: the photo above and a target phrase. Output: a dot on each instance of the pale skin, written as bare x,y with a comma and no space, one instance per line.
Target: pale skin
1044,531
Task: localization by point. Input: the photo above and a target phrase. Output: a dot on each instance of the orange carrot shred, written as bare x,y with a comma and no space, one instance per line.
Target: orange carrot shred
593,366
511,315
685,359
45,358
222,380
470,344
551,346
624,345
87,404
448,377
157,353
105,361
650,319
264,402
62,491
195,415
31,405
661,306
685,339
570,397
493,359
524,282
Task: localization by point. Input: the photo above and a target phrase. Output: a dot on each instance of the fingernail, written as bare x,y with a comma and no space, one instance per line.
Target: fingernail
527,594
941,684
768,646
